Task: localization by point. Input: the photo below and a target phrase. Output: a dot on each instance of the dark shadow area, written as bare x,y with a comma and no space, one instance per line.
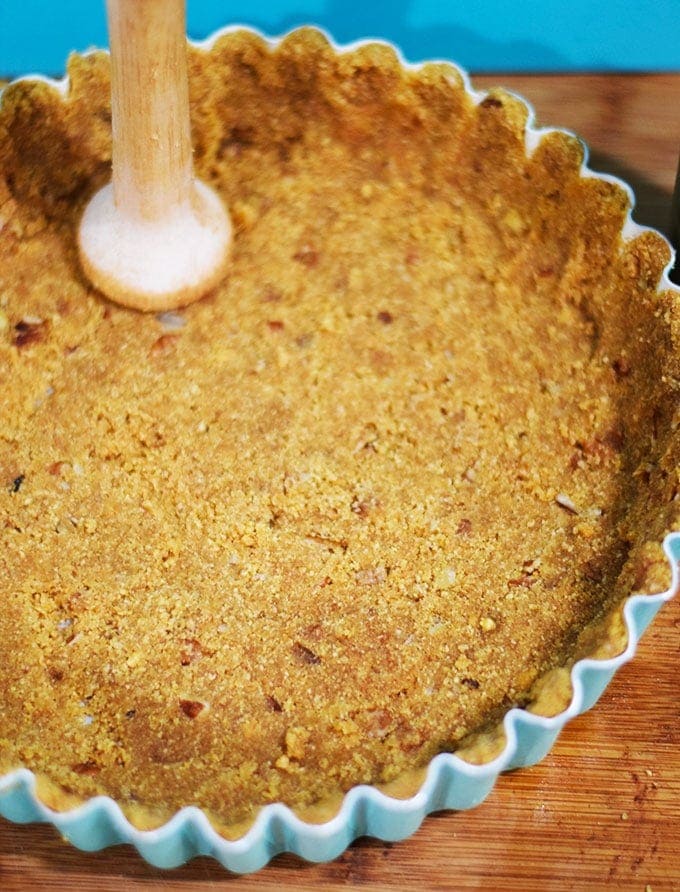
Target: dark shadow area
654,206
652,203
675,227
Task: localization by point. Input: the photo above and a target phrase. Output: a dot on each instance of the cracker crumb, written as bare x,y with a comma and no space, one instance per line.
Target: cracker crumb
487,624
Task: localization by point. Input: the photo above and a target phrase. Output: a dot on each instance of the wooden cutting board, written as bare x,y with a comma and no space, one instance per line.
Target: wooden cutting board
602,811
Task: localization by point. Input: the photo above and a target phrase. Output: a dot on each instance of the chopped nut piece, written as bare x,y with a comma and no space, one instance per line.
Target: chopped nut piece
29,331
305,655
90,767
622,367
191,708
163,344
271,295
273,703
363,507
566,503
526,580
307,256
191,651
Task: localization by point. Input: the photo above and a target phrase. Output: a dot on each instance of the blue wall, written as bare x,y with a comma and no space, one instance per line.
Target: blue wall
488,35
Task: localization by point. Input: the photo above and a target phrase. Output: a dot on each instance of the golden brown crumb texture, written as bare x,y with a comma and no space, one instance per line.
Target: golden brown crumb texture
344,512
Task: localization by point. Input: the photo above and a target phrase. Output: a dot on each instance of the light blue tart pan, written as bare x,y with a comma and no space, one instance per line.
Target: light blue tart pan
450,782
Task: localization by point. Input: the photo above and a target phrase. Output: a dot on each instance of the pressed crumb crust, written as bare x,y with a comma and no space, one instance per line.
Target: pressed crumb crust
341,514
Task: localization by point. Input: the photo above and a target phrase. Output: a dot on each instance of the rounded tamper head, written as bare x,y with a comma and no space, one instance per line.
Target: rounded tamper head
155,265
154,238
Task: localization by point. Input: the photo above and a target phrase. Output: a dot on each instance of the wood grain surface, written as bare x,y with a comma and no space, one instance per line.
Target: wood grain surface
602,811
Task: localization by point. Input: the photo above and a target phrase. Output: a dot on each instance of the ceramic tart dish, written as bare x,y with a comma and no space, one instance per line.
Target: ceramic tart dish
334,547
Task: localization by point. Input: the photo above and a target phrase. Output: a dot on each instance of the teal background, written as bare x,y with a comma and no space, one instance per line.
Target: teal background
489,35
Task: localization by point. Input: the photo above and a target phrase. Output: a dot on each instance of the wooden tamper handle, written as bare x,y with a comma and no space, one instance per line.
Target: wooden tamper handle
155,238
